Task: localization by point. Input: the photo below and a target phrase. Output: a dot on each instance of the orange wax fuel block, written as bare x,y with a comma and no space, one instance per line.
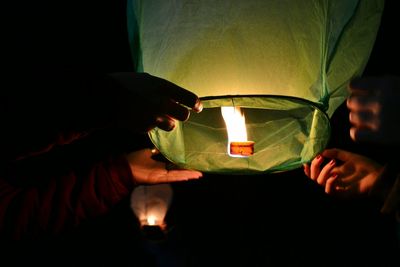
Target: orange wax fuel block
243,149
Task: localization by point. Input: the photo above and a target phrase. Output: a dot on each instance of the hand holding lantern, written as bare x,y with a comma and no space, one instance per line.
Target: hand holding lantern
162,101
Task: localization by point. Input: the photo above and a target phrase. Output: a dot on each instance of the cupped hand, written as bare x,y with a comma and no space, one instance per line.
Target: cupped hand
153,102
346,173
374,110
146,170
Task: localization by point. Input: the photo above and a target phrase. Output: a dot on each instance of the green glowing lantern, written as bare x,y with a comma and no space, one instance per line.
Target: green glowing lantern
282,66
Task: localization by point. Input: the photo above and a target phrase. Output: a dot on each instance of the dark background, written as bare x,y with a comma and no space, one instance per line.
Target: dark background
280,219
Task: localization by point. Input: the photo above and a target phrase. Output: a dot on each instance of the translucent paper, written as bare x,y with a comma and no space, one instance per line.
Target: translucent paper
287,63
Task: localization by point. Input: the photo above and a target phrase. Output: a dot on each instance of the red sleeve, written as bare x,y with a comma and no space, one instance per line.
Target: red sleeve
49,180
50,102
35,202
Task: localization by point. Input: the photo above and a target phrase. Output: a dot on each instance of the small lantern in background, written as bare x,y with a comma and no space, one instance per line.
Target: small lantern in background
150,203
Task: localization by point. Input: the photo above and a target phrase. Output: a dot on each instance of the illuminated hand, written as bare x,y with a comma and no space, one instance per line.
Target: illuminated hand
153,102
146,170
346,173
374,109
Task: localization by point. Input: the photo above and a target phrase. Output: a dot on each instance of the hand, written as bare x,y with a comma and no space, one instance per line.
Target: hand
153,102
146,170
346,173
374,110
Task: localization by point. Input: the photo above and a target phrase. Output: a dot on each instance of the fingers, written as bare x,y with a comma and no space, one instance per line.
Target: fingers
182,175
365,125
175,110
174,104
336,185
364,86
175,92
330,184
326,172
146,170
338,154
364,120
316,167
326,176
168,113
353,174
174,175
165,123
306,169
365,107
361,135
363,104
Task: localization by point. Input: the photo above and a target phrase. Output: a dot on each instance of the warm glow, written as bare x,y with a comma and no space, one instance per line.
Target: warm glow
150,203
235,126
151,220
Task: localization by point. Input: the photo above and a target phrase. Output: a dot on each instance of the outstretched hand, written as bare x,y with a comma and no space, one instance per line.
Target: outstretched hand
345,174
153,102
374,109
146,170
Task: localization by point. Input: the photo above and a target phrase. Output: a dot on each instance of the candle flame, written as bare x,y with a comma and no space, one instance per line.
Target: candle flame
235,125
151,220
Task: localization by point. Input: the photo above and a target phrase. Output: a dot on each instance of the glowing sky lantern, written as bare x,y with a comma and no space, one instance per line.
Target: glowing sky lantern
285,64
150,203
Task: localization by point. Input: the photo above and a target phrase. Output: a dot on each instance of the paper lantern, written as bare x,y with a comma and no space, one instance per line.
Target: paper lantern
284,65
150,203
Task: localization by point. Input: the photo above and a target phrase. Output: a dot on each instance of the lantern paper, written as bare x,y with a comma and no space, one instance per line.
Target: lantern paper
150,203
285,63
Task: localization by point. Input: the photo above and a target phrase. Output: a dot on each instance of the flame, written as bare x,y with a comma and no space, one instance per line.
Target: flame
151,220
235,125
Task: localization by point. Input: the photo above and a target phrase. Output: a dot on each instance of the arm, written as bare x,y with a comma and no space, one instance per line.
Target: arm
349,175
51,193
387,191
43,109
43,196
50,181
345,174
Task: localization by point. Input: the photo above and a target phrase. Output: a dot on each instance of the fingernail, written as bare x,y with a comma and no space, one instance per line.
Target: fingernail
154,151
198,107
332,162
